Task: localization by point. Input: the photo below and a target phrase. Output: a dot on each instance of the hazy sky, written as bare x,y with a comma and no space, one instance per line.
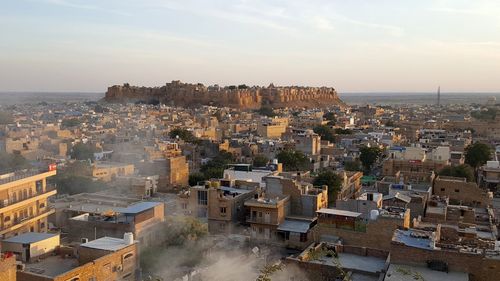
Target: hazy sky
352,45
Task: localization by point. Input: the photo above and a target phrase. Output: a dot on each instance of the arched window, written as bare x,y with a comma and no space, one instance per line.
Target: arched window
128,256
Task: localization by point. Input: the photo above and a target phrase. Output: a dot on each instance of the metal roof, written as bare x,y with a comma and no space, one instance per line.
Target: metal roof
295,226
338,212
138,207
106,243
30,237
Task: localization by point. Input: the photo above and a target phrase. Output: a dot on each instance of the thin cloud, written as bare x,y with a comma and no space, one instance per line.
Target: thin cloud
70,4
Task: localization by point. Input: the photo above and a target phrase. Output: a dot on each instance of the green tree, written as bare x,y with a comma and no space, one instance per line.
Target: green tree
390,123
76,178
268,270
215,167
332,180
293,160
352,166
183,134
368,156
266,111
195,178
6,118
260,160
330,116
461,171
488,114
82,151
477,154
326,132
70,123
340,131
12,162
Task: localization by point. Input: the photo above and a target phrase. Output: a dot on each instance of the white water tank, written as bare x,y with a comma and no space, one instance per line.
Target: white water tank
275,161
374,215
129,238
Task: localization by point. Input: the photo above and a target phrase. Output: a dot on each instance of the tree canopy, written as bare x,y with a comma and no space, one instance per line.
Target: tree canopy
82,151
340,131
352,166
183,134
215,167
266,111
293,160
6,118
12,162
332,180
477,154
75,178
326,132
260,160
368,156
330,116
71,122
461,171
488,114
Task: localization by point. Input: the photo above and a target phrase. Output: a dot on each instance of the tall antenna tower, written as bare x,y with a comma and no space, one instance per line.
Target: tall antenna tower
439,96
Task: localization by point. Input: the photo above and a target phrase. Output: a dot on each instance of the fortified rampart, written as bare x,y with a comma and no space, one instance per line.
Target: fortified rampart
242,97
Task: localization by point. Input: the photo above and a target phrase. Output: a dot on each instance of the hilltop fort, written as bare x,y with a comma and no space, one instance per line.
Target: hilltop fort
242,96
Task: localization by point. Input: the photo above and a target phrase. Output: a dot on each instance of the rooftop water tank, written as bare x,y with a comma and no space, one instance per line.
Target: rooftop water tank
374,215
128,237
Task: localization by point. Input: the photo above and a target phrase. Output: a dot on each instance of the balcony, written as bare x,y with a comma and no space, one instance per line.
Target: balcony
261,220
22,174
21,222
7,205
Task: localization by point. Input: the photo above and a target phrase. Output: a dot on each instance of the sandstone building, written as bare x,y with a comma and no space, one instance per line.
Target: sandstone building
242,97
24,202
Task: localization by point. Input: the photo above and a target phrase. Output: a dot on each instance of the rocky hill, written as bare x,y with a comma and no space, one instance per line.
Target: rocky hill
242,97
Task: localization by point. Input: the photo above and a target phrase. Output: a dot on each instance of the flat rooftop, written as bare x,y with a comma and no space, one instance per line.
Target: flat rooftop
414,238
338,212
294,225
106,243
398,272
30,237
358,263
52,266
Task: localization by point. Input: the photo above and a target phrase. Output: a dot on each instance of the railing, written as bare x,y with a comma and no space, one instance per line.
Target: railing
9,202
17,221
19,175
260,220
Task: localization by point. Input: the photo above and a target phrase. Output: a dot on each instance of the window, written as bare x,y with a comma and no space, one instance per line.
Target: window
6,219
184,206
223,210
202,197
457,190
303,237
39,186
260,214
442,189
128,256
42,205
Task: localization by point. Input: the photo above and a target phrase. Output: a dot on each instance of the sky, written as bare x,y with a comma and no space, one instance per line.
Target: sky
353,46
